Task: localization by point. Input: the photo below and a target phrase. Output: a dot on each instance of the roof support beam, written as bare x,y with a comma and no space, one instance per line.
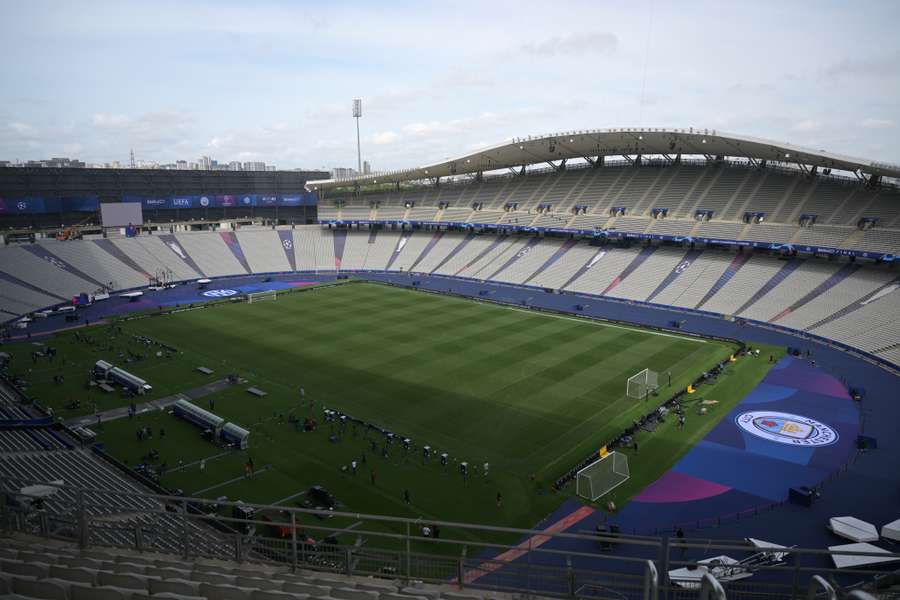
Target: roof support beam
628,159
560,167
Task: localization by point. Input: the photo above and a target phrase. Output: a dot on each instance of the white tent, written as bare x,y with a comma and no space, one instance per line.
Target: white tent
844,562
853,529
891,531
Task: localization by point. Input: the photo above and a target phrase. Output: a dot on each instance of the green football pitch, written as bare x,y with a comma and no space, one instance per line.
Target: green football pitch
529,393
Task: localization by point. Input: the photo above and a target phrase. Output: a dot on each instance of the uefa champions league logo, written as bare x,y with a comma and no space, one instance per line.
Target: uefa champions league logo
247,200
681,267
21,205
288,244
204,201
220,293
786,428
56,262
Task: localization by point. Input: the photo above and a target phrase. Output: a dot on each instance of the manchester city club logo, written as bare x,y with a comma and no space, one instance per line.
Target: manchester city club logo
219,293
785,428
204,201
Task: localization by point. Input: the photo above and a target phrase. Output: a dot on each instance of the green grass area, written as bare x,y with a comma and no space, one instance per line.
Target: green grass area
528,392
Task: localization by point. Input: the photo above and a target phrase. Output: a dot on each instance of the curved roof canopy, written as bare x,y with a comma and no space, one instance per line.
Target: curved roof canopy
591,144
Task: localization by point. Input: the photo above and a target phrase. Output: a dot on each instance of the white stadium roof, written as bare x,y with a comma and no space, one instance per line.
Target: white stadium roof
590,144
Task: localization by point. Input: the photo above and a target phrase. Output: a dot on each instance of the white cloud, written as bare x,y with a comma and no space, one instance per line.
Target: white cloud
877,123
104,121
806,126
385,137
593,42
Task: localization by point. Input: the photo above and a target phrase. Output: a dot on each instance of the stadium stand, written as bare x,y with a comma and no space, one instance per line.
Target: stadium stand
95,262
809,294
210,253
263,250
153,255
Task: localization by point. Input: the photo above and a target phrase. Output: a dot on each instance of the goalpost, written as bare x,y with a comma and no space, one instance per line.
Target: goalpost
260,296
602,476
642,384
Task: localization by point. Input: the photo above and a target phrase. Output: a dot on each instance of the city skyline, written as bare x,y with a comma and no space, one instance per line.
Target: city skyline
273,82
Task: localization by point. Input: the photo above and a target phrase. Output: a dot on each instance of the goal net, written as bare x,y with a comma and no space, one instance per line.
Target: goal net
260,296
642,384
602,476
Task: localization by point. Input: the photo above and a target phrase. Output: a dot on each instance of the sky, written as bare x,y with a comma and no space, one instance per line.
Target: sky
274,80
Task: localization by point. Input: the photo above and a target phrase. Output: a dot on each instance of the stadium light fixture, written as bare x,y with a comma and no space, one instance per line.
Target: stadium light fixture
703,141
357,113
640,137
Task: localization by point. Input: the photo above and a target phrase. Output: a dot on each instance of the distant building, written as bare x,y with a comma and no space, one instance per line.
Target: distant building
367,168
343,173
254,166
234,165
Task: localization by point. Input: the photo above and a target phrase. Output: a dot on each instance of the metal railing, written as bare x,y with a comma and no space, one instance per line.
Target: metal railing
464,555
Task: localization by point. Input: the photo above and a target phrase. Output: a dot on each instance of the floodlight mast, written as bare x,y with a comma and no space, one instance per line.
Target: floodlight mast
357,113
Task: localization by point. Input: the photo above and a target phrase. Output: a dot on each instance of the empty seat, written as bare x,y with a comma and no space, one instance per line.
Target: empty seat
275,595
120,580
305,588
459,596
39,589
81,562
346,593
74,574
258,583
405,596
214,578
129,568
372,586
175,586
17,567
224,592
427,593
96,593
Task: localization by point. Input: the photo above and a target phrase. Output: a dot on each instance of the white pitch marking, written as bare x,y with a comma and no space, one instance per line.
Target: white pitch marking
603,324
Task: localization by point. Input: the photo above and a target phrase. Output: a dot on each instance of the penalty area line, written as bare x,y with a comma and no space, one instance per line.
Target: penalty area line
605,324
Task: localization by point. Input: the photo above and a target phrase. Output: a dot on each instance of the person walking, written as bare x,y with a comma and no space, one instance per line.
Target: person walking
499,499
406,497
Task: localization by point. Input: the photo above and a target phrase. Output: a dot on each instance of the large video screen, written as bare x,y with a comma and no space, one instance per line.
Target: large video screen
121,214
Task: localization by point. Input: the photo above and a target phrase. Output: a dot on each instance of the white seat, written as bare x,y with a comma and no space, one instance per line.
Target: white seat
345,593
224,592
96,593
213,578
45,590
275,595
74,574
119,580
258,583
17,567
305,588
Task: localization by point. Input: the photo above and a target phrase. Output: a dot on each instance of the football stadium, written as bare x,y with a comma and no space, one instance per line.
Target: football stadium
624,363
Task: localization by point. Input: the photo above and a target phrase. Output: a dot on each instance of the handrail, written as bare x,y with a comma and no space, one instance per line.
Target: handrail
710,587
651,581
817,583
